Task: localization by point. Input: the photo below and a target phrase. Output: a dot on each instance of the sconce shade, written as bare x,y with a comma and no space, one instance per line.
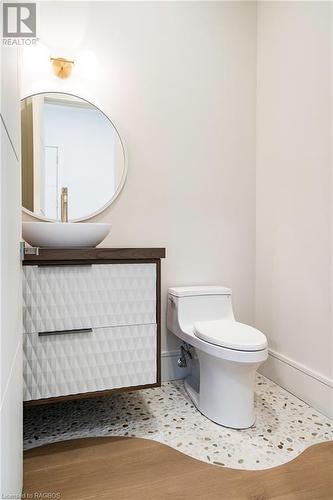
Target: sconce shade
62,68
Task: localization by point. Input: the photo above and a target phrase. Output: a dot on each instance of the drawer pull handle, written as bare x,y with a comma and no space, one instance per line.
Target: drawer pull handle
64,263
65,332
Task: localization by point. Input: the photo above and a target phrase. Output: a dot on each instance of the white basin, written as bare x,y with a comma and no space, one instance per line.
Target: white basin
64,234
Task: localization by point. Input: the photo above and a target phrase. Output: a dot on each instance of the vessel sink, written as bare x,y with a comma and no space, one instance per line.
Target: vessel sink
64,234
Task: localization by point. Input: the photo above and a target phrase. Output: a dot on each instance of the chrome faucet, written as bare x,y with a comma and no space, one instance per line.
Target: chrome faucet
64,204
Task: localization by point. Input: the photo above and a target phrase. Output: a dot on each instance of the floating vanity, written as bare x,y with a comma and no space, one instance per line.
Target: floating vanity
92,316
92,322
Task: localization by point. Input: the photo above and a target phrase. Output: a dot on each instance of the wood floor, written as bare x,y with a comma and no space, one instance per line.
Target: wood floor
139,469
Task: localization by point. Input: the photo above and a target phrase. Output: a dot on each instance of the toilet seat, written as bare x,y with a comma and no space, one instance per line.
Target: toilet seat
231,335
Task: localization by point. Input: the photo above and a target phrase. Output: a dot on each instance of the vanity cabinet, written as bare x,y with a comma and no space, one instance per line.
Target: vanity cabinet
91,322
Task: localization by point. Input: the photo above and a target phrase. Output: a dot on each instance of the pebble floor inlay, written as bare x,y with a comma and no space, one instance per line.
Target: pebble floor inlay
284,427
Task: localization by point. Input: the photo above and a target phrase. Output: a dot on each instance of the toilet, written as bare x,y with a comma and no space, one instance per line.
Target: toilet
228,353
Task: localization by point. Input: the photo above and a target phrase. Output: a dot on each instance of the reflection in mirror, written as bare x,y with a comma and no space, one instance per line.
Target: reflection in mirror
68,142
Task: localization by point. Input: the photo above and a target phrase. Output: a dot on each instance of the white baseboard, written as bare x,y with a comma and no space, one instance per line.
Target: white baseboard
169,368
310,386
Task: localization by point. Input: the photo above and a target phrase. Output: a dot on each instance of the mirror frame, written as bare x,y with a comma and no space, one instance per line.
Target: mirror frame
123,179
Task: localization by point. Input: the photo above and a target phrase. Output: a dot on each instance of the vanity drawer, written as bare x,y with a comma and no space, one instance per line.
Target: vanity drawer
97,360
68,297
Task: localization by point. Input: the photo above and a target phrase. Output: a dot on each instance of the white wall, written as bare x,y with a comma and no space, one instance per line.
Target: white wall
294,196
10,280
178,79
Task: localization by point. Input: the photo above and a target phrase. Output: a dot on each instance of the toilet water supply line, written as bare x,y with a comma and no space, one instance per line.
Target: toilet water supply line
185,350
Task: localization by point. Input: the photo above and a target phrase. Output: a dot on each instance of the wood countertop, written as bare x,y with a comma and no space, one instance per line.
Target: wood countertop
92,255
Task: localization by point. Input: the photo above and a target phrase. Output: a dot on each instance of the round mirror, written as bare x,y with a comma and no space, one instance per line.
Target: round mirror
68,143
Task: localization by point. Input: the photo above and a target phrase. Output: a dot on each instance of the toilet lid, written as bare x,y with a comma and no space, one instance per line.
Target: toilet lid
230,334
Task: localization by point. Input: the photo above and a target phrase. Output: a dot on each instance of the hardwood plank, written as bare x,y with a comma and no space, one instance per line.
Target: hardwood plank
140,469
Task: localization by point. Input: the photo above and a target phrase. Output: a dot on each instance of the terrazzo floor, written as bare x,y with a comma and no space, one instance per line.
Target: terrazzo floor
285,425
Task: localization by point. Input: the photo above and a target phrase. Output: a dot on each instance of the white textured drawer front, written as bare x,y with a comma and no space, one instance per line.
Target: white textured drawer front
106,358
101,295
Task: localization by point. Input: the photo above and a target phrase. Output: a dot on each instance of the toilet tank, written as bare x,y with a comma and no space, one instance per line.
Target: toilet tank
189,304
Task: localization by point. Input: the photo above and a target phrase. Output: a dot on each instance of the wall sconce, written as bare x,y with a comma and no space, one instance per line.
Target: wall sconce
40,64
62,68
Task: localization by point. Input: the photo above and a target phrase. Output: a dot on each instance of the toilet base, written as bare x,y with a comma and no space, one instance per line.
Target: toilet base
226,394
194,395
